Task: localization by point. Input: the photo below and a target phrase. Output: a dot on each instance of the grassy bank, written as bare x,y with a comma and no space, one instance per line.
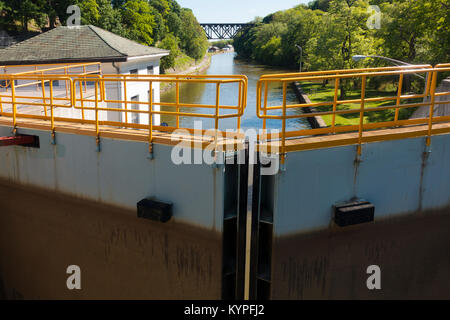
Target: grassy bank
318,93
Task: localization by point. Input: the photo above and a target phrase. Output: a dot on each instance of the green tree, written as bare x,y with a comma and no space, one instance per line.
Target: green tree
170,42
174,7
192,37
349,18
25,11
162,6
159,28
56,10
302,25
323,5
89,12
439,41
4,9
416,30
110,18
243,42
267,43
139,21
150,22
174,23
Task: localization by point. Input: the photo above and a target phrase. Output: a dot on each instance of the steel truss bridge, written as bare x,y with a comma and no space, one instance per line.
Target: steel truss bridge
221,31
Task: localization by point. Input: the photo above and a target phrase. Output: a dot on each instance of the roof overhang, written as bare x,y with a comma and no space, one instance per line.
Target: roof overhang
60,61
158,55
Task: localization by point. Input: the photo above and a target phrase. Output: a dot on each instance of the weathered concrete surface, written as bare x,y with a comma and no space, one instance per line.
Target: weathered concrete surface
120,175
409,240
413,253
397,176
120,256
440,110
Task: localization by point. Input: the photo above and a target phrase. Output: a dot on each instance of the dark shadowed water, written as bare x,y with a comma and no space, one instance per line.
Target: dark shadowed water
227,64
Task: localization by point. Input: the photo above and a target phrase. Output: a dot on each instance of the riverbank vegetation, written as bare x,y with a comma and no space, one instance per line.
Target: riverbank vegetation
162,23
319,93
332,31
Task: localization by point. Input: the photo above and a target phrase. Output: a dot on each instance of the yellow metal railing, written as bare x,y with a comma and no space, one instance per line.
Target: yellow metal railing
79,69
88,96
284,112
217,80
100,98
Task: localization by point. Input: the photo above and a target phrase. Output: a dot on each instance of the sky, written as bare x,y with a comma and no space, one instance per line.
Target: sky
235,11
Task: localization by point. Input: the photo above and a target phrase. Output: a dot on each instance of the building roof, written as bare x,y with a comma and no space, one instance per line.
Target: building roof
75,44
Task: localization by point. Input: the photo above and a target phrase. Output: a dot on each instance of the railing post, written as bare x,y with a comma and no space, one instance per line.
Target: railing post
150,120
125,98
266,94
65,73
97,129
240,105
44,100
216,121
37,84
84,74
283,133
177,102
432,102
81,98
13,100
52,114
336,90
399,94
361,113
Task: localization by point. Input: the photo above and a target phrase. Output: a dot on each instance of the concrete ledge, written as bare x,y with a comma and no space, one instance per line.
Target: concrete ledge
163,138
345,139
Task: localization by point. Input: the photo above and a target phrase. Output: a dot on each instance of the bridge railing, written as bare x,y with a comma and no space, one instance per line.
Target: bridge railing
358,107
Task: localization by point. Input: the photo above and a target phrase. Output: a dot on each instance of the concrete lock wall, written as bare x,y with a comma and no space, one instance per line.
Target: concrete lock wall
67,204
311,257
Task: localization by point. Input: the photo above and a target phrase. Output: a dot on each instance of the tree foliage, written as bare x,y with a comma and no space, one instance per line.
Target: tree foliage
192,37
170,42
330,32
163,23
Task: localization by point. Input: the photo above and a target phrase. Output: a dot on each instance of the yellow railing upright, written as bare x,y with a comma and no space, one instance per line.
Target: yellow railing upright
280,112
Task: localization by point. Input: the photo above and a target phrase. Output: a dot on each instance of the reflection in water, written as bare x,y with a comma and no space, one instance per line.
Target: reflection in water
189,93
226,64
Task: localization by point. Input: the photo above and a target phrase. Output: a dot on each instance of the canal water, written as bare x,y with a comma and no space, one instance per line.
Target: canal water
228,64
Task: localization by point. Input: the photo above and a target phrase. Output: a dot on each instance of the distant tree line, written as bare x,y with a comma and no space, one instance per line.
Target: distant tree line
162,23
332,31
